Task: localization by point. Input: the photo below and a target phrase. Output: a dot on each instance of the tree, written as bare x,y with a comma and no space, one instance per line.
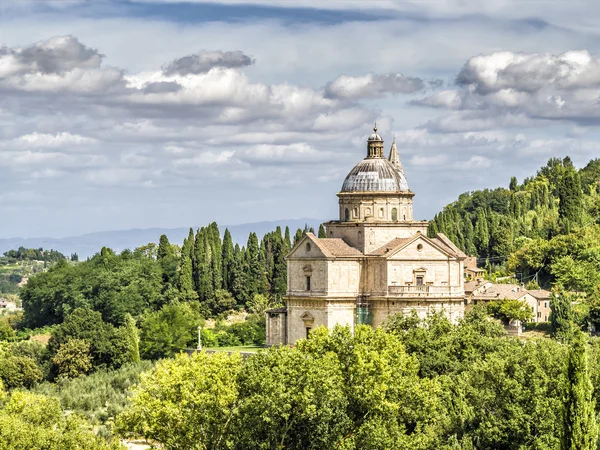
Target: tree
561,318
73,358
581,430
33,421
377,371
168,331
509,310
293,400
221,301
514,184
187,402
322,233
19,372
186,284
227,260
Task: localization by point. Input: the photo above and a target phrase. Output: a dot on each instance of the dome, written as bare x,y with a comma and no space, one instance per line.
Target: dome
375,137
375,175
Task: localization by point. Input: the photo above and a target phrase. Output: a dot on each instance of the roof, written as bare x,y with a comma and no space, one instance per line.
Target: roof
338,247
391,246
501,292
375,175
280,310
540,294
396,244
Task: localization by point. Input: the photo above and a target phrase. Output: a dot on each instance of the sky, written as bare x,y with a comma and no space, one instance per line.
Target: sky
141,114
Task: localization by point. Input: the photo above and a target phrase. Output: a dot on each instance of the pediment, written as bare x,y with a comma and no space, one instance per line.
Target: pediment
420,247
308,248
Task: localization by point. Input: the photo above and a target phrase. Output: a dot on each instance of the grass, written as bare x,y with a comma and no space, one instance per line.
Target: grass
243,348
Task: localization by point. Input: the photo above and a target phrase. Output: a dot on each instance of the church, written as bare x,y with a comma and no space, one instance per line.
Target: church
376,260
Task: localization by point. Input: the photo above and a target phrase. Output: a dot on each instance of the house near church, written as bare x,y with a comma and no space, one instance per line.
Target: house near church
376,260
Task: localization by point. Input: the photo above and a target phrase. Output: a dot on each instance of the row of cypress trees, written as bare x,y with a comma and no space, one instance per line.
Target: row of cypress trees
221,274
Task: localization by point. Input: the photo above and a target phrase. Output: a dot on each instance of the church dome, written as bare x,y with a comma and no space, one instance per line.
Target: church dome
375,175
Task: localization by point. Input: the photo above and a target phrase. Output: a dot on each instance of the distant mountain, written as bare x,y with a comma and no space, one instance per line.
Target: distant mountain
89,244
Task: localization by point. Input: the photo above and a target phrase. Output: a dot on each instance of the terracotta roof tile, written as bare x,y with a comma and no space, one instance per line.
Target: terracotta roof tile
540,294
338,247
390,246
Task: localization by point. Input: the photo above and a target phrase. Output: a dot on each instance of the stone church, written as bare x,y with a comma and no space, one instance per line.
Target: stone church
376,260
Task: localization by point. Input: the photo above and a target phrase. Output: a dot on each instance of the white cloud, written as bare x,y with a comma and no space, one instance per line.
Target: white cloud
372,86
46,140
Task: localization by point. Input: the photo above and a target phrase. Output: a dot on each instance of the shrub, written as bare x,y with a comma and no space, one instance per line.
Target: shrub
73,358
19,371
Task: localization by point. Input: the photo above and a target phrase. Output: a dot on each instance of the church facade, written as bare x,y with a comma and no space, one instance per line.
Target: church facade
376,260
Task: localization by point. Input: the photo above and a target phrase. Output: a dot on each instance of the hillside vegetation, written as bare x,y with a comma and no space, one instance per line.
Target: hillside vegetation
546,228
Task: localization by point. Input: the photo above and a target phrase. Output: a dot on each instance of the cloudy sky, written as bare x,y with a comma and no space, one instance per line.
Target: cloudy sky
116,115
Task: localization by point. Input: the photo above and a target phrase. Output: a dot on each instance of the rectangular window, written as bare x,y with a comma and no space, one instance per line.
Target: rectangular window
308,283
539,314
307,331
545,304
419,281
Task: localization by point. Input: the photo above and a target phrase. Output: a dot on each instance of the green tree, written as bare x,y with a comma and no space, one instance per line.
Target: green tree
322,233
562,321
289,399
227,260
168,331
19,372
186,403
581,429
73,358
33,421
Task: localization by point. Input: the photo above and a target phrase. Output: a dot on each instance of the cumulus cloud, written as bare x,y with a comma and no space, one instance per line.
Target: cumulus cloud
205,61
57,64
372,86
533,85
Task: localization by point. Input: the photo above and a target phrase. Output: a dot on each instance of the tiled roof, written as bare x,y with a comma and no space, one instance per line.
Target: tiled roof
390,246
501,292
337,247
540,294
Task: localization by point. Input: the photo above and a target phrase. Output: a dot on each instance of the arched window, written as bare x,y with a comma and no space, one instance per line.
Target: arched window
367,212
355,212
394,215
381,213
307,247
346,215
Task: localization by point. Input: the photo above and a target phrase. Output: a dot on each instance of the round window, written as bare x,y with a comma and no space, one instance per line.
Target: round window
420,247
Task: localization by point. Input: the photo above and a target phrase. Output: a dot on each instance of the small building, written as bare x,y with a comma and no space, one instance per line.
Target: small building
472,272
543,304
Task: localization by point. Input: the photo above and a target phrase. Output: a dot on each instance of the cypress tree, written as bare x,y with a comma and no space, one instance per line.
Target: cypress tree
227,260
570,197
255,267
186,283
216,261
514,184
298,235
561,317
164,247
581,431
287,239
322,233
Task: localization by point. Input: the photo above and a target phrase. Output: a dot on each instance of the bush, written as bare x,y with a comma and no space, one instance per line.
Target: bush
19,371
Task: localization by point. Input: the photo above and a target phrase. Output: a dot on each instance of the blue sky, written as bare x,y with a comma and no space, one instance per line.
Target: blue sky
117,115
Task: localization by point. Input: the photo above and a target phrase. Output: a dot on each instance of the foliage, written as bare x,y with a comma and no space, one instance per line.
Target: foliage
187,402
19,371
509,310
110,346
36,254
168,331
562,318
33,421
100,396
581,427
73,358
